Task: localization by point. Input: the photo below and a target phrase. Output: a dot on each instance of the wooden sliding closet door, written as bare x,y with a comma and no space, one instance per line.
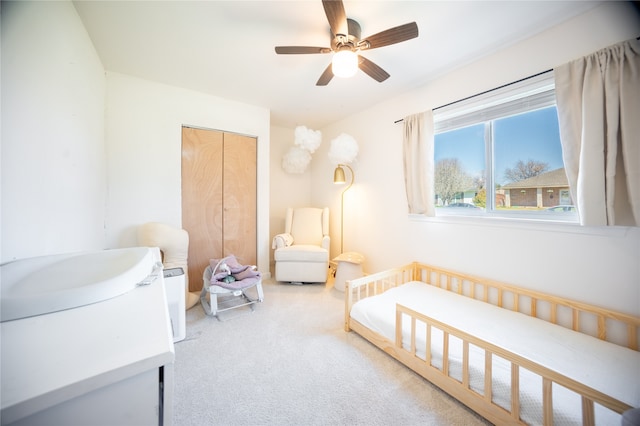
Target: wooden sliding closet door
202,158
219,192
240,198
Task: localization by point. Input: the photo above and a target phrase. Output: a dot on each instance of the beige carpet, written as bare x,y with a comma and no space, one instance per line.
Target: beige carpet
290,363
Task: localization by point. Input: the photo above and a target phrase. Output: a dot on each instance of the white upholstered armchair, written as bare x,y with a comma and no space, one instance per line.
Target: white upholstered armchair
302,251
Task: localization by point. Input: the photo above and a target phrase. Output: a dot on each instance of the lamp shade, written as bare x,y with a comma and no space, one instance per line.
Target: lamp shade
338,176
344,64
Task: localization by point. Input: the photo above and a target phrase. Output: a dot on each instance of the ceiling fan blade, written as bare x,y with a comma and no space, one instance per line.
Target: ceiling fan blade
371,69
326,77
391,36
337,17
294,50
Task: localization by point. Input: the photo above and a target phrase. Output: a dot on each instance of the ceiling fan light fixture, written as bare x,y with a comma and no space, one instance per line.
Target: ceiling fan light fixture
346,42
344,63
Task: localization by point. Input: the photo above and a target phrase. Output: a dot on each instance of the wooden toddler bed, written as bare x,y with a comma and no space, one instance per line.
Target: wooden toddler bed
515,356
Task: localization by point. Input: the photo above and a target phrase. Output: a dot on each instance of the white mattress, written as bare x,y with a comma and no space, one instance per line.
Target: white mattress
609,368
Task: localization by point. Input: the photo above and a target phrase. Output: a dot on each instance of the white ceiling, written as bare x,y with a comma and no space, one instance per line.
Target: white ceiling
226,48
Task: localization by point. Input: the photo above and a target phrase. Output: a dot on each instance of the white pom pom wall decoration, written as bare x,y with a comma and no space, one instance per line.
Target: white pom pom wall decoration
296,160
308,139
343,150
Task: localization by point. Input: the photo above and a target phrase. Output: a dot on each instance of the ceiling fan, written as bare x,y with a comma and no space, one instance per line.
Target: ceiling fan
346,43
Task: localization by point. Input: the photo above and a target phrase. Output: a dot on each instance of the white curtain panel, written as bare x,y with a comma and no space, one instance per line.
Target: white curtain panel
418,163
598,100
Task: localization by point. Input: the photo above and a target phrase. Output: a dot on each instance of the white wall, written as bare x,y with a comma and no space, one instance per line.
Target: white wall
286,189
53,153
143,135
74,180
54,162
594,265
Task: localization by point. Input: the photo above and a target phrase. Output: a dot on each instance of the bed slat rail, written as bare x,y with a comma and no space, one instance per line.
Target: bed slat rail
515,391
618,328
604,324
427,369
373,284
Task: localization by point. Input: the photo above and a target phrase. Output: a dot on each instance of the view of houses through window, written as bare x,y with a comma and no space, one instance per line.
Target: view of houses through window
510,165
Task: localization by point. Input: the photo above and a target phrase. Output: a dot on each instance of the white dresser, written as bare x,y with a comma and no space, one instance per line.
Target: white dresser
107,363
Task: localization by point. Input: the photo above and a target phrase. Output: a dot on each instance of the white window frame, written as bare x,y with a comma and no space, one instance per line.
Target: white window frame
526,95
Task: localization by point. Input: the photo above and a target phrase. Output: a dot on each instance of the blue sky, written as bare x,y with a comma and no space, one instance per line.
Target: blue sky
530,136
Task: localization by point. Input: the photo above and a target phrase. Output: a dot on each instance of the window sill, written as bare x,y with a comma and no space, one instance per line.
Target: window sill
529,224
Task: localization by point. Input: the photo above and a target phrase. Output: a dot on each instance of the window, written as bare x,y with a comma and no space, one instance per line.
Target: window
499,154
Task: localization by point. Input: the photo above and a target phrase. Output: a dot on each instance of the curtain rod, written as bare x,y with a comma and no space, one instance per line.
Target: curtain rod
486,91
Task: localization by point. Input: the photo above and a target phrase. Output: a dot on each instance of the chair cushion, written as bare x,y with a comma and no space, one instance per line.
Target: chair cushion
306,227
301,253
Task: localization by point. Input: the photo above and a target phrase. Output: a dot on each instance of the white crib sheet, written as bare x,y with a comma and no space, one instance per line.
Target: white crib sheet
609,368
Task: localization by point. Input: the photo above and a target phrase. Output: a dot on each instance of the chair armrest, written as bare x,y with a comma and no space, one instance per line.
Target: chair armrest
281,240
326,241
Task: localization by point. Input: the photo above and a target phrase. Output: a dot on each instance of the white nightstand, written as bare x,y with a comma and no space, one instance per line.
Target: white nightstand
349,267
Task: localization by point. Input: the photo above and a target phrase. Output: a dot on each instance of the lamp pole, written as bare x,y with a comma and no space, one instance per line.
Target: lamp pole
342,207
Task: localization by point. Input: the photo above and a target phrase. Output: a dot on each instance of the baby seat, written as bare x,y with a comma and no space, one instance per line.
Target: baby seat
226,283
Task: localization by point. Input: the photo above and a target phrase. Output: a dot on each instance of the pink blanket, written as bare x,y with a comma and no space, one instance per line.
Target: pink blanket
228,273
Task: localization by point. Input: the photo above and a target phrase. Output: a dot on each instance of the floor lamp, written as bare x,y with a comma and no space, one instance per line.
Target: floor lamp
339,178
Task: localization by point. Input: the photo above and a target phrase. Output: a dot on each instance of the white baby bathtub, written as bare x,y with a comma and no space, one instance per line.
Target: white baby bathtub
46,284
